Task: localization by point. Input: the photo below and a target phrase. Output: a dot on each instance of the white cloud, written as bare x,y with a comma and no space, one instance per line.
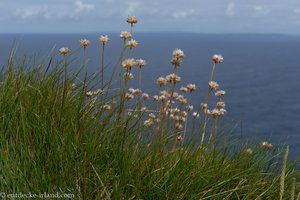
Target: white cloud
30,12
184,14
260,11
84,7
132,7
231,11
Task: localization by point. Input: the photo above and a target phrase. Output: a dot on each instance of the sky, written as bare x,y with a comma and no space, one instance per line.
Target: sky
202,16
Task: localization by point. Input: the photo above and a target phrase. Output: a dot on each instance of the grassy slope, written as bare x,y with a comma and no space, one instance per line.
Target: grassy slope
65,143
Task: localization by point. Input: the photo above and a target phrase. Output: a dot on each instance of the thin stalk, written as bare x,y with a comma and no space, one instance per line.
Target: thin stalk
207,101
186,121
102,67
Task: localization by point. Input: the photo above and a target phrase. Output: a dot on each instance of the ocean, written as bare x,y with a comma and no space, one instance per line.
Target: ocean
260,73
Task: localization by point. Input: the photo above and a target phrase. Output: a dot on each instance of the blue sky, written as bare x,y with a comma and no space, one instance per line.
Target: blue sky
204,16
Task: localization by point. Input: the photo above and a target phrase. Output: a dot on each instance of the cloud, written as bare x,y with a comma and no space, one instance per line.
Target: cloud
30,12
260,11
231,11
132,7
84,7
184,14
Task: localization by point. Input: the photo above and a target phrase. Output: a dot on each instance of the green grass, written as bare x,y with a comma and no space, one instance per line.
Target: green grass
55,142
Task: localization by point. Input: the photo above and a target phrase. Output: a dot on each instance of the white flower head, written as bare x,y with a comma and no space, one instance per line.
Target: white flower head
217,58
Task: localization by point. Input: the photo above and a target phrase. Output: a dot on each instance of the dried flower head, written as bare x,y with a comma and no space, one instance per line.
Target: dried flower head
145,96
84,43
125,35
155,98
173,78
220,93
64,51
183,89
221,104
161,81
178,53
128,63
249,151
195,115
179,138
131,43
106,107
148,122
128,76
132,20
204,106
140,62
178,126
104,39
266,145
176,62
213,85
129,96
189,108
191,87
152,116
217,58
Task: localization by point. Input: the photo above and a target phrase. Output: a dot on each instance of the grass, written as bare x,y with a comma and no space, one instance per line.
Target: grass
57,136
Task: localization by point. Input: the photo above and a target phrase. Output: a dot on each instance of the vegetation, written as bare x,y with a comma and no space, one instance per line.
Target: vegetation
61,134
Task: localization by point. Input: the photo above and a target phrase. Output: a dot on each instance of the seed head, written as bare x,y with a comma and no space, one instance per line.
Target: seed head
129,96
189,108
178,126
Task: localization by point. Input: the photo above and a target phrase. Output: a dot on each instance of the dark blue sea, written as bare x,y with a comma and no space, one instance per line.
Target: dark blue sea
260,73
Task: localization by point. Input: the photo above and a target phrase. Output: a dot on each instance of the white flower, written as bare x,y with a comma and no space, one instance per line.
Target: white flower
266,145
213,85
145,96
125,35
178,53
217,58
173,78
132,20
104,39
195,115
140,62
191,87
64,51
220,93
161,81
183,89
84,43
131,43
128,63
